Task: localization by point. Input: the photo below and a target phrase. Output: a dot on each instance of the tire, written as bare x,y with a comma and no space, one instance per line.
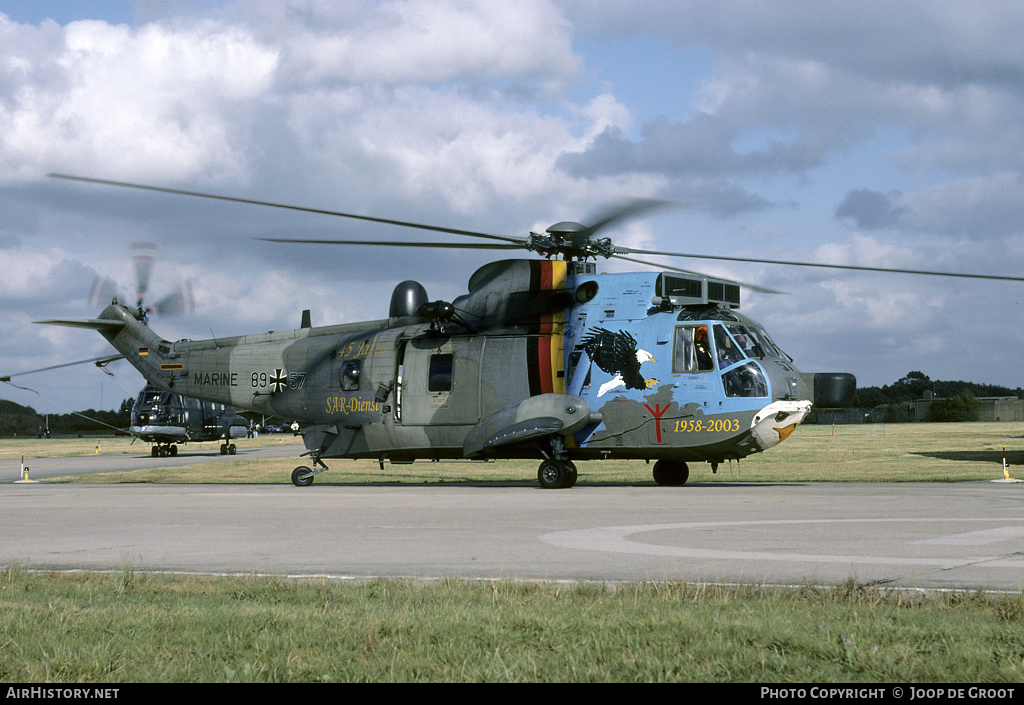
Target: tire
231,449
174,451
671,473
302,476
556,475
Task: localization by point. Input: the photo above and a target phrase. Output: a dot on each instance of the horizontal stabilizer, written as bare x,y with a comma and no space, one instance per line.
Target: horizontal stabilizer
90,323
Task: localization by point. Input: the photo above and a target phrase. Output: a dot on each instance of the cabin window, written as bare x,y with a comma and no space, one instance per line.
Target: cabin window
691,350
745,381
439,377
350,372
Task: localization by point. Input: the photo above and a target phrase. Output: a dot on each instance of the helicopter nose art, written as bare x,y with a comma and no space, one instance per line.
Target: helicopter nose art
775,422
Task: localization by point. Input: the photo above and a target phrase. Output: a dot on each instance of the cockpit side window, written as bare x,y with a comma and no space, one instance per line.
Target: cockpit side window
691,350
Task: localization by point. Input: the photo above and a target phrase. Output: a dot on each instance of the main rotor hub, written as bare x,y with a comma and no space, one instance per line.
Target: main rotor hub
571,241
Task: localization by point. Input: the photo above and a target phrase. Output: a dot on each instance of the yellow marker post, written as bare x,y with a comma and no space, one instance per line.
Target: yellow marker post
24,472
1006,471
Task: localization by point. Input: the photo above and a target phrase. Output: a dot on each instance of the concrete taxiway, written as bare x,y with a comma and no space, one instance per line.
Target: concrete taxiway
912,535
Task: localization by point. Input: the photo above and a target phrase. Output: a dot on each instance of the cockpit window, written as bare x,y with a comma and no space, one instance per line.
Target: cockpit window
770,346
691,350
154,398
755,343
728,351
745,381
747,341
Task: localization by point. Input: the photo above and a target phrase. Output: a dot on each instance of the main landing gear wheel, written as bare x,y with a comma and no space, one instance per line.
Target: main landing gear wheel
228,449
671,473
302,476
556,474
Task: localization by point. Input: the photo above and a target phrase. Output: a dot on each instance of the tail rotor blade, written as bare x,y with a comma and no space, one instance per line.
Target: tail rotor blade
143,254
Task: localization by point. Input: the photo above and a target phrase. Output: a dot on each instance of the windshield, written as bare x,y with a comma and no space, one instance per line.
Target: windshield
153,398
755,343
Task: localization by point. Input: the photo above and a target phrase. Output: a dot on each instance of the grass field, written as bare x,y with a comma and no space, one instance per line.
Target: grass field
130,626
954,452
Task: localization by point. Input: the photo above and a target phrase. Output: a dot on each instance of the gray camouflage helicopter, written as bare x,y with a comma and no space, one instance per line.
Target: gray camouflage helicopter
166,419
541,358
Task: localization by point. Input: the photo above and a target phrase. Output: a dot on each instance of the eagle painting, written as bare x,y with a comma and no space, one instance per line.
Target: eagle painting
617,354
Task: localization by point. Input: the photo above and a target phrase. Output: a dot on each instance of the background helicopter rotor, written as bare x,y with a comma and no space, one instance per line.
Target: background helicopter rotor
570,240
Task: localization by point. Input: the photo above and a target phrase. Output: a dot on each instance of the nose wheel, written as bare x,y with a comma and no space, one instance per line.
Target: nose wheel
555,474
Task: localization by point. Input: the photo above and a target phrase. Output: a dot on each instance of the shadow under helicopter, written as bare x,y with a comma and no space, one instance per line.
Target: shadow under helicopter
993,456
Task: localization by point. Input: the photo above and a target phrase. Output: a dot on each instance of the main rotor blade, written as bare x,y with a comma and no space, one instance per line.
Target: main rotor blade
270,204
998,277
396,243
630,209
98,361
143,261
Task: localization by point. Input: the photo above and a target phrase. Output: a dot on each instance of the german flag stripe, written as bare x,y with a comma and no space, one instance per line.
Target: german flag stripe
545,361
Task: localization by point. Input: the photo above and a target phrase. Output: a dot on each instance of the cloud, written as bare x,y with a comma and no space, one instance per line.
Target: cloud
154,101
978,207
796,88
871,210
427,42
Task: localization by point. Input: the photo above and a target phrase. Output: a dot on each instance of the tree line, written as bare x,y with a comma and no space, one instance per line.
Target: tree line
24,420
951,401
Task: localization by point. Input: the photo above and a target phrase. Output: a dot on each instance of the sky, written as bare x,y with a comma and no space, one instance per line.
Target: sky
869,133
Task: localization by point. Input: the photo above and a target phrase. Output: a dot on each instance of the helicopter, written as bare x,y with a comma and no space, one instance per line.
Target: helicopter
166,419
541,358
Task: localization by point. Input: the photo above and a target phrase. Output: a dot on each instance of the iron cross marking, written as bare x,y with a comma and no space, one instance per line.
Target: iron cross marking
279,380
